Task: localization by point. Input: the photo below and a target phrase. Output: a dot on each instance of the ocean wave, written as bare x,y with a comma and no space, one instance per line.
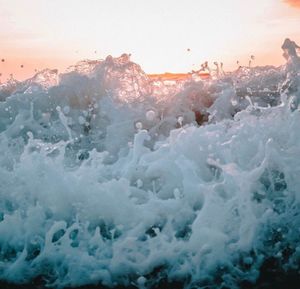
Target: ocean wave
110,176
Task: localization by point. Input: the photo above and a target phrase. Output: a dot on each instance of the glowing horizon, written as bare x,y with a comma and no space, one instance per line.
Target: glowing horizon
55,34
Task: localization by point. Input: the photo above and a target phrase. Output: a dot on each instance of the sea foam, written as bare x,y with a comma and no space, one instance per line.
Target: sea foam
108,176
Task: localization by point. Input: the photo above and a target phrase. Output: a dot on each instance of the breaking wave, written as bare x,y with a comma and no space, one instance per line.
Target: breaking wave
112,176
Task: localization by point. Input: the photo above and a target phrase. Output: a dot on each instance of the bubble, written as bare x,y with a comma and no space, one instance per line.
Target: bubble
141,281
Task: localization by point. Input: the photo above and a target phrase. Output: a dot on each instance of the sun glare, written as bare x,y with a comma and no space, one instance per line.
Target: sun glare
162,36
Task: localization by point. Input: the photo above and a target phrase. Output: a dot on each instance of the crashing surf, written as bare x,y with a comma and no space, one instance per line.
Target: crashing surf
111,176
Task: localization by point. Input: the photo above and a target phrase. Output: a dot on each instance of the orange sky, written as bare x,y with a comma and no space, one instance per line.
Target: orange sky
293,3
57,33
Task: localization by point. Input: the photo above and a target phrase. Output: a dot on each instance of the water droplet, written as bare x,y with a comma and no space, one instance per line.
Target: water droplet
150,115
139,125
180,120
234,102
141,281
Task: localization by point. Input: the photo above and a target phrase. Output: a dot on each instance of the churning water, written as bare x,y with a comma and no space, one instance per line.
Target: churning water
109,176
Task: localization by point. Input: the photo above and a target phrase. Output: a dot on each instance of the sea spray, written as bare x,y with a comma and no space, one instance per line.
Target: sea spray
108,182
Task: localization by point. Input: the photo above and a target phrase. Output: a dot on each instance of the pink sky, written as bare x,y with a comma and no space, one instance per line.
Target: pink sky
57,33
293,3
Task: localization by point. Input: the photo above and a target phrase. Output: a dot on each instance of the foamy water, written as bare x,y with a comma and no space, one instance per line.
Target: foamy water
106,175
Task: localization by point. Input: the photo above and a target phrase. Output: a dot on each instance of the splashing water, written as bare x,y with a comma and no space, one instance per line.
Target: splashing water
107,177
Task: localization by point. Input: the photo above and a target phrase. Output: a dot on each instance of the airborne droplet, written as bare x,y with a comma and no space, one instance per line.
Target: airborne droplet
150,115
139,125
180,120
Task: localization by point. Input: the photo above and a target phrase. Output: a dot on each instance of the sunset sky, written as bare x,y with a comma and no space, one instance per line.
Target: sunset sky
57,33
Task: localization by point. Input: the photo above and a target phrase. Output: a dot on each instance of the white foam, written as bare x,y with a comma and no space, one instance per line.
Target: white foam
127,190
